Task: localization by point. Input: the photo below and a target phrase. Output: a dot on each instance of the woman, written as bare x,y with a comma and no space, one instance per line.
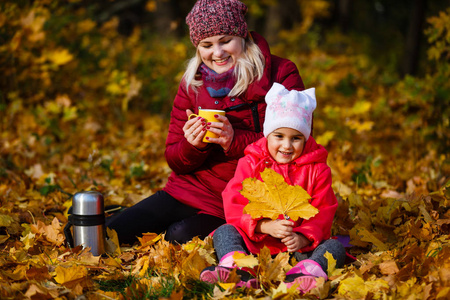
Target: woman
232,70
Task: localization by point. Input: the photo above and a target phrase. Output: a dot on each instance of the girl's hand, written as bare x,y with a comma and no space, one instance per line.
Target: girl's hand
223,129
295,241
194,130
279,229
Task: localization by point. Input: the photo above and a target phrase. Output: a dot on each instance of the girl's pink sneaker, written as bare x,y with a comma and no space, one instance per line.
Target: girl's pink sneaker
215,274
220,274
305,274
304,283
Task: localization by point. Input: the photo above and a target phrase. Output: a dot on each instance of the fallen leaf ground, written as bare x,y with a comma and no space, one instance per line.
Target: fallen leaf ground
400,240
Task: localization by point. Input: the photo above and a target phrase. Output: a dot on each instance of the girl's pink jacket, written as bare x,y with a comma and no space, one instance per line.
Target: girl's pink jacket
310,171
200,176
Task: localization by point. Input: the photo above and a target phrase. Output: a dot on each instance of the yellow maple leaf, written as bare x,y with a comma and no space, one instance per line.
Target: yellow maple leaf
331,263
359,126
4,238
359,233
59,57
204,247
227,286
193,265
113,241
361,107
37,291
243,260
145,267
149,238
325,138
6,220
273,197
28,240
151,6
86,257
357,288
222,293
65,275
19,273
283,292
53,232
272,269
86,25
353,288
112,262
388,267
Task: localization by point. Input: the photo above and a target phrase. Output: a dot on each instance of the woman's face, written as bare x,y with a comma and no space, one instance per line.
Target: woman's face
285,144
220,52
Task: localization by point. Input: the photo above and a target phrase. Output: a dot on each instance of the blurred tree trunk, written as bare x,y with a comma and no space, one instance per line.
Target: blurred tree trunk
164,16
273,23
180,13
343,12
281,16
412,45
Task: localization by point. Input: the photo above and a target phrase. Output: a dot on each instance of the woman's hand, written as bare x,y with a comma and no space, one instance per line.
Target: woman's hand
223,129
295,241
194,130
279,228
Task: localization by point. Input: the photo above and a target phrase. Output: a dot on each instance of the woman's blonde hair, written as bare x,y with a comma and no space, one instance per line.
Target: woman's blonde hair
249,67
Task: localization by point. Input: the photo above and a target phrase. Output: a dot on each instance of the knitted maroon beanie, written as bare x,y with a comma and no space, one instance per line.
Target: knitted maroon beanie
215,17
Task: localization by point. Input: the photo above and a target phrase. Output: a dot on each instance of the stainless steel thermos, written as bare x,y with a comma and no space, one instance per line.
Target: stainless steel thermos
88,222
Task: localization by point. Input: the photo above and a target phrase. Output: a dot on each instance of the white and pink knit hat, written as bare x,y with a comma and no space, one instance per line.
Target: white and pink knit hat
291,109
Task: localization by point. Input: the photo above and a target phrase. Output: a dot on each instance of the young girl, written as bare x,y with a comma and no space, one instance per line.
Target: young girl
232,70
288,149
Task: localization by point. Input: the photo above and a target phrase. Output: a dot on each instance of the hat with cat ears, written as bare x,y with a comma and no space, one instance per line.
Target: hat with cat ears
291,109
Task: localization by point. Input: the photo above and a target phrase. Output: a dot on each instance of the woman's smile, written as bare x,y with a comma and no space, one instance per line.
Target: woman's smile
222,61
220,52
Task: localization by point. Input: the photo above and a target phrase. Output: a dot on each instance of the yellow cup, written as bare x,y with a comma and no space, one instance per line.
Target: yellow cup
208,115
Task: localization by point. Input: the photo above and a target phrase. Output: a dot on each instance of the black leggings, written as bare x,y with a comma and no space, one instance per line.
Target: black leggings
162,213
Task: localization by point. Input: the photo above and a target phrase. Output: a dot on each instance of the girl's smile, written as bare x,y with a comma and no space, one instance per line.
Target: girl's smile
285,144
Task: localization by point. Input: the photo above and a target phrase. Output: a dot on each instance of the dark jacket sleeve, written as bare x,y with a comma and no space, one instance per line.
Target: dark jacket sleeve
288,75
241,139
181,156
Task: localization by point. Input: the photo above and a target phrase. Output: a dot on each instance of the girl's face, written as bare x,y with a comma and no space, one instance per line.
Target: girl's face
220,52
285,144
